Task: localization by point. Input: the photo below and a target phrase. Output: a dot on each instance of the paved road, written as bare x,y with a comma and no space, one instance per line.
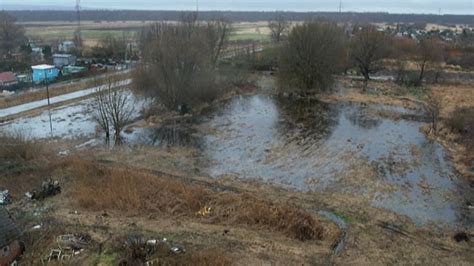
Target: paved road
54,100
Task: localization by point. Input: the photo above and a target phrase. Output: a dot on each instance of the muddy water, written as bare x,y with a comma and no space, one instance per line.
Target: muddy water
345,148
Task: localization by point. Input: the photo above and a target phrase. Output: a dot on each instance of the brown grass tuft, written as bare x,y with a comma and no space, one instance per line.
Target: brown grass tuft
248,210
207,258
19,147
97,188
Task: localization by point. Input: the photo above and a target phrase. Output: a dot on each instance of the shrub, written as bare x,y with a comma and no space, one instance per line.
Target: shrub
248,210
456,121
19,146
98,188
313,52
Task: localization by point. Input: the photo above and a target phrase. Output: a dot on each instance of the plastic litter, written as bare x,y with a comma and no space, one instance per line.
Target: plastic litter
5,197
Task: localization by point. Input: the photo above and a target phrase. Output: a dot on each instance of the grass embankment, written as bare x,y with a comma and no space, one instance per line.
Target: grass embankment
135,192
57,90
152,206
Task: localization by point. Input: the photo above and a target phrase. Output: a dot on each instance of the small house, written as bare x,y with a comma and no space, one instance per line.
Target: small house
66,46
43,73
11,247
8,79
62,60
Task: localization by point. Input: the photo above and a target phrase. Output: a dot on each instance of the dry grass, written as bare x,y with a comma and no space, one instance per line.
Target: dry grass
19,146
134,192
248,210
31,96
98,188
207,258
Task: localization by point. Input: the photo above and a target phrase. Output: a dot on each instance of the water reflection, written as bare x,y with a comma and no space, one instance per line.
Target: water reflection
337,147
346,148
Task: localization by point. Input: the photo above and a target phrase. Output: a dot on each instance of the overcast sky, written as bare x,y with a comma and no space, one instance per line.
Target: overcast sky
393,6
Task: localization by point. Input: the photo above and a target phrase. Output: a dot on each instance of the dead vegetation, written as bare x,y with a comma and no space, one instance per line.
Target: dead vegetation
244,209
139,192
19,146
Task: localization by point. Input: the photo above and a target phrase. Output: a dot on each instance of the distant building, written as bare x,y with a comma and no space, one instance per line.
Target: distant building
66,46
11,247
8,79
61,60
44,72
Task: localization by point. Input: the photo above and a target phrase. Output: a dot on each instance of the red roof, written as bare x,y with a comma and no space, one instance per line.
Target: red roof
7,77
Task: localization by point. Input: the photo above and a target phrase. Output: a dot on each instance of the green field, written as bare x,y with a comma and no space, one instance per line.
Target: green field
93,32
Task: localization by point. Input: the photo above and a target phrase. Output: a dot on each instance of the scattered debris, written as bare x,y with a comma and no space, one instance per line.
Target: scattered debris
138,248
461,236
63,153
69,245
48,189
74,242
37,227
5,197
204,211
394,228
177,249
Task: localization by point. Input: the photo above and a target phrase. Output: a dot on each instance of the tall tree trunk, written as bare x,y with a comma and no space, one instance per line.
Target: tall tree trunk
422,72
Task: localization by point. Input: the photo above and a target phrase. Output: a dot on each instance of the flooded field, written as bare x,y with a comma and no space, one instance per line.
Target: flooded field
354,149
71,121
348,148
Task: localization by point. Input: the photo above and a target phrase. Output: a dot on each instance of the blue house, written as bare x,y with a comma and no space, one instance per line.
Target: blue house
43,72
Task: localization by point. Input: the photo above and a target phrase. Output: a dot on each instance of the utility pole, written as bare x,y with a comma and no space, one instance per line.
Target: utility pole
78,16
340,6
49,103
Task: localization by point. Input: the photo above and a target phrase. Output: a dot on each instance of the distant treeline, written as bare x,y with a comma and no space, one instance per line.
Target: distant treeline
237,16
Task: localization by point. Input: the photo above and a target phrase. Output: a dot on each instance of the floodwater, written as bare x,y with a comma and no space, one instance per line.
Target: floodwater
343,148
71,121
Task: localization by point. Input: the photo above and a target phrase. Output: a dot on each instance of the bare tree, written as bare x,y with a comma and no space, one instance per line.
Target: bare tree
313,52
11,34
433,105
429,51
278,28
100,114
218,34
114,109
178,63
367,47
